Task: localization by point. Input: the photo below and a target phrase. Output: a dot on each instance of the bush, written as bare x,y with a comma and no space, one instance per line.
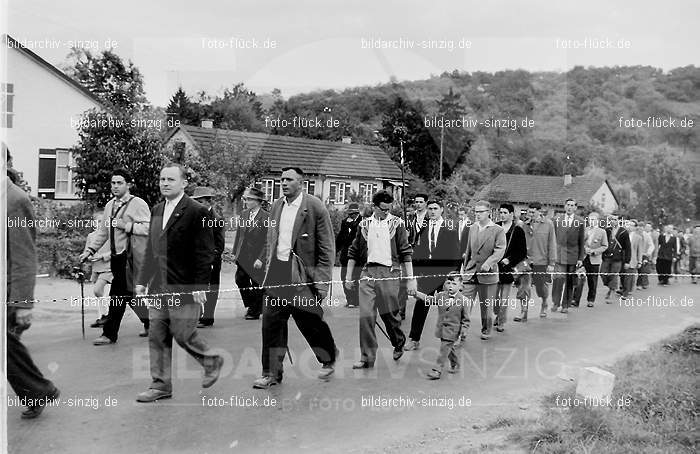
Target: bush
58,247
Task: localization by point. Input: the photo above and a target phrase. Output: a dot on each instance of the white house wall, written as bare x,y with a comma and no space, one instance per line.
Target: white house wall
43,107
604,199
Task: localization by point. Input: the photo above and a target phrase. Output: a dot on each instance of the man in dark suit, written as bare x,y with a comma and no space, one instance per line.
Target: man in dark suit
345,237
516,252
669,251
298,268
205,196
570,231
249,252
485,248
436,253
617,256
32,388
176,269
418,220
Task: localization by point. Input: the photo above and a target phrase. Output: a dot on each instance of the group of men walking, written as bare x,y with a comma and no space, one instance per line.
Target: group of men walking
165,264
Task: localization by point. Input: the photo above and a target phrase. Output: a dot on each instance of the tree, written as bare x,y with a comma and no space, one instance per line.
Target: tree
239,109
404,120
182,109
665,193
456,142
117,84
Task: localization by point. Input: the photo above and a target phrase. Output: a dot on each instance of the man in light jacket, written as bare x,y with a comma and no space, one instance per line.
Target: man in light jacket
595,244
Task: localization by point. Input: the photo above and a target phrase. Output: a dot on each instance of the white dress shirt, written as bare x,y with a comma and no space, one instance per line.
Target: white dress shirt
286,228
170,207
434,229
253,213
379,241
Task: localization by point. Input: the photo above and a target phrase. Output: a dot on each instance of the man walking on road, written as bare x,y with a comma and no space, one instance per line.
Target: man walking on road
596,243
485,248
541,255
125,226
177,271
299,264
569,230
345,237
516,252
617,257
381,251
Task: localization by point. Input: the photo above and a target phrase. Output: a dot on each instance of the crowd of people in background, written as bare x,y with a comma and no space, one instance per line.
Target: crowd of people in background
165,263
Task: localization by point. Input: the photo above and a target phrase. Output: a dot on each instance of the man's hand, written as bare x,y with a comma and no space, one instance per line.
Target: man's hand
485,267
257,265
550,268
199,297
348,283
84,256
411,285
140,290
579,263
505,262
23,317
120,224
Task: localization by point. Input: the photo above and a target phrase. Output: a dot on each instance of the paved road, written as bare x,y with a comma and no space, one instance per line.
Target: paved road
308,415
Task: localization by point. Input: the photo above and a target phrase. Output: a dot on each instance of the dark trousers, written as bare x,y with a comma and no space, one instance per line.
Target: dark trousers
352,296
25,378
427,285
693,266
643,276
119,296
563,284
663,268
178,322
403,298
213,293
379,296
278,305
252,297
609,273
591,280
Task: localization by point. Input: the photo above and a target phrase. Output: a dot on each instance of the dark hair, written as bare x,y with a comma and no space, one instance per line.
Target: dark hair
436,202
183,171
122,172
535,205
423,196
569,200
453,276
382,196
509,207
296,169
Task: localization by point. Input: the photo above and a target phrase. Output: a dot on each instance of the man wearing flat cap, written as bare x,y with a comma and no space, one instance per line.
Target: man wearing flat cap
205,196
249,251
346,234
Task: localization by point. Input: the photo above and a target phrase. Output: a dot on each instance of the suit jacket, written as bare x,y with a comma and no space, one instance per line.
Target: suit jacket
345,237
453,319
668,250
487,248
179,257
219,231
570,240
597,243
312,241
446,251
415,229
619,248
636,250
516,252
249,244
21,254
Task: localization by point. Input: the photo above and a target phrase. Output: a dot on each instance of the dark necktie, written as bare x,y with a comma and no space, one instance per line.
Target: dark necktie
115,209
432,237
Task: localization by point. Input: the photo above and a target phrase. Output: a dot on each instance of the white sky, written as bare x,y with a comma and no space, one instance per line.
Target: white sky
319,43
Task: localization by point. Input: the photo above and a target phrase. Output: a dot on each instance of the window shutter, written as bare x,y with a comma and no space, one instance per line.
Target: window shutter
276,190
47,173
347,192
331,193
312,187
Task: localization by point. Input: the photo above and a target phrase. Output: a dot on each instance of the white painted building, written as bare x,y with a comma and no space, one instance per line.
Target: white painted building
38,103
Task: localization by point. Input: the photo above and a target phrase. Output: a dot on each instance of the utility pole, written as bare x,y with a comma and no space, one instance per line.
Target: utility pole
442,140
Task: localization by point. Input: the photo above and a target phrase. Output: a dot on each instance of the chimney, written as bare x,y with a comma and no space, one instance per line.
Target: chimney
208,124
568,179
346,139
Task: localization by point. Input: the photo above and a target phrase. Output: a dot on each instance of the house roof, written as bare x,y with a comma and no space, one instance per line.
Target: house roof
548,190
13,43
315,157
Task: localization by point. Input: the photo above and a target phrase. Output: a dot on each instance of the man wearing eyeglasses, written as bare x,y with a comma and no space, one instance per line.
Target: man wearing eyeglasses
541,255
485,248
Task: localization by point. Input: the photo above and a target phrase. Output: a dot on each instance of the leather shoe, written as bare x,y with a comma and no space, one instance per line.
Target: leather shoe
143,333
521,318
411,345
151,395
500,329
485,337
362,365
36,410
564,310
252,316
265,382
211,374
434,374
201,324
326,371
103,340
398,353
589,304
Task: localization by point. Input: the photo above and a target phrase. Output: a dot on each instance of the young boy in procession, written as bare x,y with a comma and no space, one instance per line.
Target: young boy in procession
452,323
101,274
